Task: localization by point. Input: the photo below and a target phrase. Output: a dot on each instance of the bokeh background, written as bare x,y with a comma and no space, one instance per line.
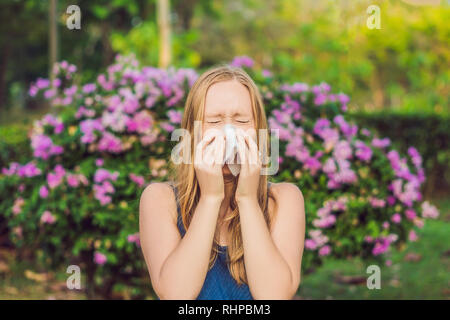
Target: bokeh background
391,82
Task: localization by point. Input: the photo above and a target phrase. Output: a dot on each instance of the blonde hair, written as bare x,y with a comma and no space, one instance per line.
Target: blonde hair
185,178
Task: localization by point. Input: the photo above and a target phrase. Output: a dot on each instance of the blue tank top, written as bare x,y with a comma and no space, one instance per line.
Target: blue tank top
219,284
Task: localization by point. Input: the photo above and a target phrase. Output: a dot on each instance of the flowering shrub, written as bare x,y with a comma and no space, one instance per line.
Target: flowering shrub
77,199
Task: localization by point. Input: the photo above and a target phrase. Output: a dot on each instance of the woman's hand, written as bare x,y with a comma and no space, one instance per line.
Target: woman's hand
250,173
208,166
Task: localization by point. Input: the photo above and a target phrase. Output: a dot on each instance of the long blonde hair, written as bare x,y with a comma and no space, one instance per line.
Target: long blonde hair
185,179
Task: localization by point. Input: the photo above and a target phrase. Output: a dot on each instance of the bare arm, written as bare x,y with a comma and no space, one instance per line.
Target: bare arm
273,259
177,266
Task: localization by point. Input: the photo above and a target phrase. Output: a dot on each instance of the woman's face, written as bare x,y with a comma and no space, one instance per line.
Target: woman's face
228,102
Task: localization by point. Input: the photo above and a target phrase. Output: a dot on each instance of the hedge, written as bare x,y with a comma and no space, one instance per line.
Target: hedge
76,199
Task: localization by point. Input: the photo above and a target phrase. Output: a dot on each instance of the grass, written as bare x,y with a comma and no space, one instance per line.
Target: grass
427,278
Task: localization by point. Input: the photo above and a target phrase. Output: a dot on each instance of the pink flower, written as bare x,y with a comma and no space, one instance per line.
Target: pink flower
377,203
391,200
330,166
72,180
43,147
381,245
412,236
139,180
310,244
396,218
55,178
381,143
410,214
242,61
99,258
419,223
429,211
174,116
141,122
363,152
342,150
103,174
134,238
47,217
43,192
167,126
325,250
110,142
17,208
148,139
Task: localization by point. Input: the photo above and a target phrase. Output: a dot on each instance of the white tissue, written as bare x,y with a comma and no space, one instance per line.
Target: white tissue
231,149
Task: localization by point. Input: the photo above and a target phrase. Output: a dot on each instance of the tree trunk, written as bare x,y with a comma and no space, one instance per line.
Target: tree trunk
3,65
53,36
163,14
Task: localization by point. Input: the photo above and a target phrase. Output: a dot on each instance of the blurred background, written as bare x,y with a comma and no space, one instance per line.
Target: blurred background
397,76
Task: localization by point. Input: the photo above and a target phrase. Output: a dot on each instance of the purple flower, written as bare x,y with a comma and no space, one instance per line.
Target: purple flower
55,178
363,152
325,250
412,236
90,87
134,238
381,245
310,244
139,180
167,126
43,192
103,174
242,61
342,150
100,258
381,143
396,218
266,73
410,214
141,122
377,203
43,147
110,142
47,217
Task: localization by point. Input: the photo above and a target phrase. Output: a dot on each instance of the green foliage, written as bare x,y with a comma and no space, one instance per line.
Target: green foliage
14,144
429,133
143,41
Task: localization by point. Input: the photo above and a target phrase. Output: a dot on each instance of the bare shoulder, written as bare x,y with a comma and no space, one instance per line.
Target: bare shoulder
286,191
287,201
159,195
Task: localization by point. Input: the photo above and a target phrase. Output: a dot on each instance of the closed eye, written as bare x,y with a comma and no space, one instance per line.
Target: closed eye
214,121
243,121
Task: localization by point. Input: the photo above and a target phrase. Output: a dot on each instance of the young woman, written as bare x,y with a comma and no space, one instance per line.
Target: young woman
210,234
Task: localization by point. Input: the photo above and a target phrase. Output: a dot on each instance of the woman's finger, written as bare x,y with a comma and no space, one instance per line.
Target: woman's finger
200,149
219,149
253,150
242,149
